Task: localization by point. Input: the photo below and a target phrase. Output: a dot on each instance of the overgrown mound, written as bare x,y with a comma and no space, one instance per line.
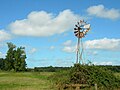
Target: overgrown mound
90,75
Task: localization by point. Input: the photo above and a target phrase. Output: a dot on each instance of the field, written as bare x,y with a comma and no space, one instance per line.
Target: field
28,80
25,81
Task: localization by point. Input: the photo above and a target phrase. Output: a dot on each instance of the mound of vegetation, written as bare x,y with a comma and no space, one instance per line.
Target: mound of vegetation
90,75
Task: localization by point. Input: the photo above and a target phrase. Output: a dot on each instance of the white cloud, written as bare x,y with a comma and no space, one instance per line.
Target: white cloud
101,11
41,23
103,44
67,43
92,52
4,35
99,44
33,50
64,62
69,49
52,47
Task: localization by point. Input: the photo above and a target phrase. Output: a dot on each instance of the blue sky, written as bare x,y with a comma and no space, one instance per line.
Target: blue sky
45,28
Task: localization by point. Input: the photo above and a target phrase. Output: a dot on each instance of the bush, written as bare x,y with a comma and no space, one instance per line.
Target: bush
103,77
79,74
84,74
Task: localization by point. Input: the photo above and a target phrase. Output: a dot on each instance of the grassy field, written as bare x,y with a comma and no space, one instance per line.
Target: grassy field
25,81
28,81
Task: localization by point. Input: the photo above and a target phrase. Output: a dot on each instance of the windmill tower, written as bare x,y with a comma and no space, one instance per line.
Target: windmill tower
80,30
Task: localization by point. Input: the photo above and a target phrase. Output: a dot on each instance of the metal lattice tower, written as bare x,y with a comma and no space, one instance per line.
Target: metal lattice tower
80,30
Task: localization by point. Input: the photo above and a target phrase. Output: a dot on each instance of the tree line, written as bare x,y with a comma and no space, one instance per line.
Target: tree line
115,69
14,59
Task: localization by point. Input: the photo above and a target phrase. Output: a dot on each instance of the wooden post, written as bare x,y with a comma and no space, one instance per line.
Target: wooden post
70,88
77,88
95,86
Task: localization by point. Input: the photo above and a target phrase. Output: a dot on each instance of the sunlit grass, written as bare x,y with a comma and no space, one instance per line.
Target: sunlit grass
25,81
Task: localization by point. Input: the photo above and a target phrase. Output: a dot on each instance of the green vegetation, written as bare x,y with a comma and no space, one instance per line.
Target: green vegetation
25,81
115,69
53,80
90,75
48,69
15,59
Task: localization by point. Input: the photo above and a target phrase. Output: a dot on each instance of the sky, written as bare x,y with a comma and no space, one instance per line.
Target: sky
46,29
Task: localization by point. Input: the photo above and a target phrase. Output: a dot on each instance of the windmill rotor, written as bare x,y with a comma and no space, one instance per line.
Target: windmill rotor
80,31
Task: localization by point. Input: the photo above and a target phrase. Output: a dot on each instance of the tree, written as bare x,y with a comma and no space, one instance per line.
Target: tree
20,56
9,60
2,64
15,58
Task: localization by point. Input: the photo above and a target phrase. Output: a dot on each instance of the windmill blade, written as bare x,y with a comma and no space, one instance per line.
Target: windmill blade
90,32
77,34
81,21
75,28
79,28
76,31
84,32
76,25
87,26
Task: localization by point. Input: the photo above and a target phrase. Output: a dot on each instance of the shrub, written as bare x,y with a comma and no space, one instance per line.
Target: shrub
84,74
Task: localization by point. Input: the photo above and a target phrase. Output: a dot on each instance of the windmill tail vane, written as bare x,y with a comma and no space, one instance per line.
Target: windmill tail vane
80,30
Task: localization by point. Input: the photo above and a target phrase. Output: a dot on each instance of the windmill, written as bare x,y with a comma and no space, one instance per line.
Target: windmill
80,30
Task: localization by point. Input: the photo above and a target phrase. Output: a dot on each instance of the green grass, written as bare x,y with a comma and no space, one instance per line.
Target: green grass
26,81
